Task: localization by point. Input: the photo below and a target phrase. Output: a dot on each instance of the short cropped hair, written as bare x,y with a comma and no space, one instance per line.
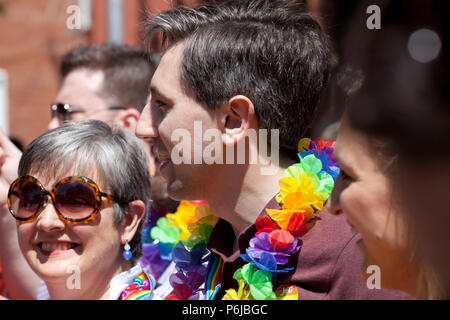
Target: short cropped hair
114,155
273,52
128,70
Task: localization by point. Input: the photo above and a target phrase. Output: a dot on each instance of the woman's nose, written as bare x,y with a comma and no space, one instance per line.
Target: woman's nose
48,219
333,205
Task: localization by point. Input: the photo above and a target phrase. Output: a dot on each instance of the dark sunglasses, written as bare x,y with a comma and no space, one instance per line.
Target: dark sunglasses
75,199
63,111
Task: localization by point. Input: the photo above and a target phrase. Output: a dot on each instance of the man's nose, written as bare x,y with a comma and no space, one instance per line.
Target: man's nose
54,123
146,127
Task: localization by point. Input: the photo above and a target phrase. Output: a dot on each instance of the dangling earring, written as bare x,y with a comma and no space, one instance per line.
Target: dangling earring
127,253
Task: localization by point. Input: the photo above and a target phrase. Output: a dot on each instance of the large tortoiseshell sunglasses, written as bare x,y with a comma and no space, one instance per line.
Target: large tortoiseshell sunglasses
75,199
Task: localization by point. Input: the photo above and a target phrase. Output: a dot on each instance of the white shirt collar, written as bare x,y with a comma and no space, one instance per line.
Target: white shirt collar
123,280
116,286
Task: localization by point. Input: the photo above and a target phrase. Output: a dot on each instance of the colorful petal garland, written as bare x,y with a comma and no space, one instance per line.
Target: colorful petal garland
304,189
153,251
181,237
191,253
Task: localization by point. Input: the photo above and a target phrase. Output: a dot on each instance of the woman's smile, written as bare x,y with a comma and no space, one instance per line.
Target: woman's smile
55,247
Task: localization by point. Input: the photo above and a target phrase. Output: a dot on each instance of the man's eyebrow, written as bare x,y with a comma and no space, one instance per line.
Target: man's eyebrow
155,91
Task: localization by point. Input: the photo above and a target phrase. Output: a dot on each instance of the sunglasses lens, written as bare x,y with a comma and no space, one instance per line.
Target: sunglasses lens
59,111
76,199
25,199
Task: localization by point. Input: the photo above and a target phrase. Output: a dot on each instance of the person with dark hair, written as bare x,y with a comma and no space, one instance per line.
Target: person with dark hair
393,145
105,82
235,71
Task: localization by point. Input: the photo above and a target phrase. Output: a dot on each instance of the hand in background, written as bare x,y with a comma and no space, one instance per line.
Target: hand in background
9,162
20,281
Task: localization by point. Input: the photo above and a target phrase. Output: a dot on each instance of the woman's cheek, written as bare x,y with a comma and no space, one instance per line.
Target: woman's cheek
353,207
25,234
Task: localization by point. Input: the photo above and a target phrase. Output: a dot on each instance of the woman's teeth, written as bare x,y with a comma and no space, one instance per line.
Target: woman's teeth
57,246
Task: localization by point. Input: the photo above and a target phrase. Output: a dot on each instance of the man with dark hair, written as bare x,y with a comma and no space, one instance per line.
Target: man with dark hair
105,82
237,70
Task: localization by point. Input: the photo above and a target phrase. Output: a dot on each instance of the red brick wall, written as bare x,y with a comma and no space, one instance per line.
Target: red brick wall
33,38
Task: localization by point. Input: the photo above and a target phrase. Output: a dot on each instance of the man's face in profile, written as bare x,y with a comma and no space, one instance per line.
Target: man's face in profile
170,112
81,89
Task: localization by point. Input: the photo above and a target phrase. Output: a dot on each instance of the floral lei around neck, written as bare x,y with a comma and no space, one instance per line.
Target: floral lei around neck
182,236
304,189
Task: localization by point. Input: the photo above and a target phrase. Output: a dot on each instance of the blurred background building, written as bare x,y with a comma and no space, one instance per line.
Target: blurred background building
35,34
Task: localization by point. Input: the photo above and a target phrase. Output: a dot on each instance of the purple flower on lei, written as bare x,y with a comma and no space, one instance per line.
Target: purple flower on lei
152,261
185,259
194,278
266,257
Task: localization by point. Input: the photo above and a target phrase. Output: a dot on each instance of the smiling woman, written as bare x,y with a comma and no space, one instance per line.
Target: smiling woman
364,193
80,201
393,146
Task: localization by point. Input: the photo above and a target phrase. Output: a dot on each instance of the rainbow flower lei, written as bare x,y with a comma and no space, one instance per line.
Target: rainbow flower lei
304,189
181,237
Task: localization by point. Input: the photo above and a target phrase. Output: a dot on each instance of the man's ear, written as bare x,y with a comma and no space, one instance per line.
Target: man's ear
238,118
128,118
135,213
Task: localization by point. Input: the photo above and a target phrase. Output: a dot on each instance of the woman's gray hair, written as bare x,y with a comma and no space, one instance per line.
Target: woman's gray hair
82,147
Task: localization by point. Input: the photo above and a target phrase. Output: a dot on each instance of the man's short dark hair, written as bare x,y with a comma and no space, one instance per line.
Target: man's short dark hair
128,70
273,52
